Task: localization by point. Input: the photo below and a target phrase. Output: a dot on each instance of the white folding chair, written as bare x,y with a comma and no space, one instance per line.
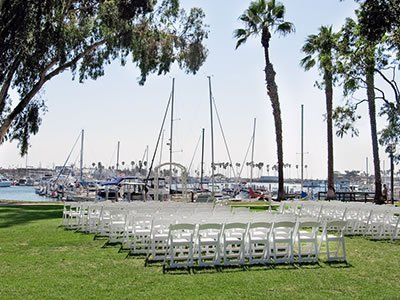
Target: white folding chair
158,240
140,237
333,241
282,241
94,213
71,214
306,241
233,244
258,240
180,246
117,226
208,244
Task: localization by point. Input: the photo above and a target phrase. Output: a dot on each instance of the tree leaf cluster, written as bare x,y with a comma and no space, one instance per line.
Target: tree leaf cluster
39,39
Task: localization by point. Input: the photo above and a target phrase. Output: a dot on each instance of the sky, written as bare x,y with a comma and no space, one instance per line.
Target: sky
115,108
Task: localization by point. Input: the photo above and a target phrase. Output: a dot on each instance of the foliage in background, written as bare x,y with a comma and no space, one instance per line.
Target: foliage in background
39,39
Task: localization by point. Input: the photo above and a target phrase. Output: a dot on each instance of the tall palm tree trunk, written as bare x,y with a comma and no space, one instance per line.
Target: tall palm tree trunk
272,89
329,106
370,80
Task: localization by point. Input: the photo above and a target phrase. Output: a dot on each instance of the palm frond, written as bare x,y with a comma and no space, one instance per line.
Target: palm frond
278,11
308,62
240,42
310,46
285,28
254,16
258,6
240,33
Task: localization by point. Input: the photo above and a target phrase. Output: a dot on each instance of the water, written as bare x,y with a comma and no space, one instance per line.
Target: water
21,193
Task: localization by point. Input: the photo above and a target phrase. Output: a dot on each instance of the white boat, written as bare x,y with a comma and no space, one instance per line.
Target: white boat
4,182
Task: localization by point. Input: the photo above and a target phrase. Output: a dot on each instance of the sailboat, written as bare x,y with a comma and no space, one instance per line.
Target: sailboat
4,182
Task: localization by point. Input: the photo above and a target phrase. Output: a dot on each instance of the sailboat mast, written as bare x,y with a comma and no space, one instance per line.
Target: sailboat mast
162,144
252,151
212,140
26,164
147,154
117,156
81,161
171,133
202,159
302,147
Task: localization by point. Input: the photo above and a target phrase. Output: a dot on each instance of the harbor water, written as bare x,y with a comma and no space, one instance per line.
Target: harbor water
21,193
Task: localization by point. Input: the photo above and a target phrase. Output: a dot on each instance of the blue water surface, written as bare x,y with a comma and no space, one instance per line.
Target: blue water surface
21,193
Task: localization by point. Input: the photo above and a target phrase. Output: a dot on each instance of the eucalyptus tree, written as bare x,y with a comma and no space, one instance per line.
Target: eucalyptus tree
41,39
263,18
380,22
320,50
359,60
380,19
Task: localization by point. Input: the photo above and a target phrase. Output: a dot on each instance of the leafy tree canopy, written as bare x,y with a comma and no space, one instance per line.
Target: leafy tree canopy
357,54
379,18
39,39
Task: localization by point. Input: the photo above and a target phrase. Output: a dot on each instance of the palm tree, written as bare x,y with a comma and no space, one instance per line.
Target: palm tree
361,59
132,164
265,17
319,49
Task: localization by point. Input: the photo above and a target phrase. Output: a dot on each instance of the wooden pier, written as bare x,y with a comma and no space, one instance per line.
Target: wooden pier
350,196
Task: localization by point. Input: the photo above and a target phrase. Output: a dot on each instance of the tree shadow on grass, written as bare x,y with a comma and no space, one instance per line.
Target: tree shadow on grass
21,214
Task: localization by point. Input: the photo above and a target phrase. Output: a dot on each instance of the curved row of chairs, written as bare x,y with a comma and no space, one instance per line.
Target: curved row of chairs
366,219
200,235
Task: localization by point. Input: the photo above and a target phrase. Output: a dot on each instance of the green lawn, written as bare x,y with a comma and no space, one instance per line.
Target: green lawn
40,260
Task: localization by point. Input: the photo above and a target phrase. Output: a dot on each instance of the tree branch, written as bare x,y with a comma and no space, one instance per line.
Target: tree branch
383,95
384,99
36,88
7,83
74,61
393,86
359,102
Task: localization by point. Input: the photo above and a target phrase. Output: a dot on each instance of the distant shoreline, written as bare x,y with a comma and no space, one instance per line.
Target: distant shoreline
27,202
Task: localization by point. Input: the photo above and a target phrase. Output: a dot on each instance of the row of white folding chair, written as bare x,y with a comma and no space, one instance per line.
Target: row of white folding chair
356,216
259,242
377,222
383,224
114,219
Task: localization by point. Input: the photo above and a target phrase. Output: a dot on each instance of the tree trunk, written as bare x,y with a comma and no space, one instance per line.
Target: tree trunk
370,71
329,104
272,89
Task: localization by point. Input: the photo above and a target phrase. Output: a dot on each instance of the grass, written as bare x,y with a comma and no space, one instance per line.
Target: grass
40,260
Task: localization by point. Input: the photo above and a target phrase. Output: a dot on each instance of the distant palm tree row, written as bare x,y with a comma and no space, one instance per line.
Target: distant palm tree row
345,56
141,168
